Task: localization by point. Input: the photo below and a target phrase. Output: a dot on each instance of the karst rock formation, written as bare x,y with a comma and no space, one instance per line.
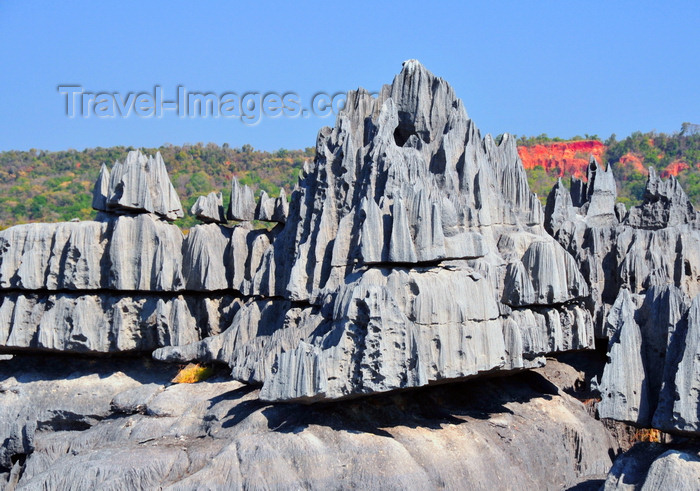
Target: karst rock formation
643,268
411,253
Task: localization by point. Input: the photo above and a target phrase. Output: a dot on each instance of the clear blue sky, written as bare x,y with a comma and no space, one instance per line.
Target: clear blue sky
561,68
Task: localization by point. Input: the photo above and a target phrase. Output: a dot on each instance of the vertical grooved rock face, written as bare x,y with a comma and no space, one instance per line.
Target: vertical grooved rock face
108,322
601,191
100,193
643,268
209,208
120,283
139,184
397,254
242,204
679,398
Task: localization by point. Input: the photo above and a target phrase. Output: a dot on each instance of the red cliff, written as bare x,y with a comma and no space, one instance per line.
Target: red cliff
631,160
674,168
564,158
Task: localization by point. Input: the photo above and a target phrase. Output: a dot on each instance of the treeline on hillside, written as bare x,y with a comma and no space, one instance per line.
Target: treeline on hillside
660,150
42,186
543,139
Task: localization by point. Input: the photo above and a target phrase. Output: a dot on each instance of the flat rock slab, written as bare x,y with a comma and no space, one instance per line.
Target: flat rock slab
519,432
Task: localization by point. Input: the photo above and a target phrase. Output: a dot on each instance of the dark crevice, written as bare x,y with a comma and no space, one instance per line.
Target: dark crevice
127,293
20,458
418,264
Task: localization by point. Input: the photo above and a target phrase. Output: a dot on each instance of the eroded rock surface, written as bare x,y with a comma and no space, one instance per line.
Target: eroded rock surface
643,266
650,466
413,253
129,428
138,184
209,208
116,284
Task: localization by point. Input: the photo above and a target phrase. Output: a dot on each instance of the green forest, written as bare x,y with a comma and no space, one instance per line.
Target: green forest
42,186
659,150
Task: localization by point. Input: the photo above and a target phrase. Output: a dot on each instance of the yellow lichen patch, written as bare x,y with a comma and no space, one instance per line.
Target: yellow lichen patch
193,373
647,435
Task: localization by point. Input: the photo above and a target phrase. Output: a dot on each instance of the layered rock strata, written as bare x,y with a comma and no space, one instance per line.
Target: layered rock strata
413,253
643,266
119,283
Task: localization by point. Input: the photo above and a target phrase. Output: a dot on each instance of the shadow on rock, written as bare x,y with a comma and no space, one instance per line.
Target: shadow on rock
30,367
429,407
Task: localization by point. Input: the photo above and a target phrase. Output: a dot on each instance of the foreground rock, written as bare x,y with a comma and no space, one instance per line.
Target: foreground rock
644,272
131,429
650,466
413,253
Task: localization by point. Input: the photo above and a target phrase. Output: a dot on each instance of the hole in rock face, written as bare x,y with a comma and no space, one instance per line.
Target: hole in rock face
405,129
401,136
18,457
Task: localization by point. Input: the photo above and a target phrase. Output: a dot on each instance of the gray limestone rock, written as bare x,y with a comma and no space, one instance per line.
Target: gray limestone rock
401,248
144,254
649,466
601,192
242,205
638,252
204,258
642,267
100,193
281,208
393,256
69,255
679,398
546,275
674,469
391,328
108,322
373,247
126,252
649,378
559,208
665,205
441,191
266,207
141,184
624,387
209,208
136,399
122,425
